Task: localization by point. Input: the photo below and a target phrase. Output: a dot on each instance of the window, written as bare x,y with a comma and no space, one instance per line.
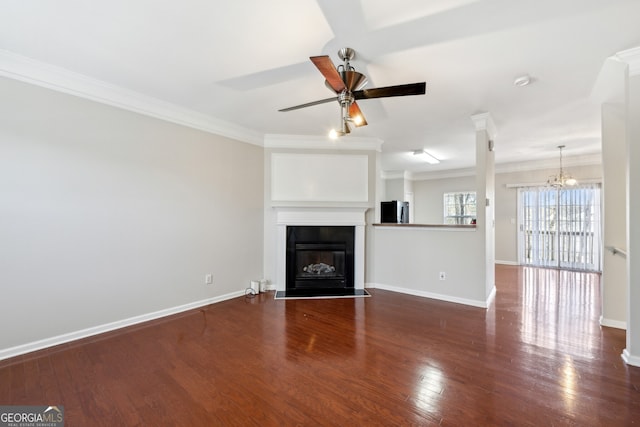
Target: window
460,207
560,227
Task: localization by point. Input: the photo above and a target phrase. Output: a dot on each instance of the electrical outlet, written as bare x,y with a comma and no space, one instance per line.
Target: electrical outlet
208,279
443,275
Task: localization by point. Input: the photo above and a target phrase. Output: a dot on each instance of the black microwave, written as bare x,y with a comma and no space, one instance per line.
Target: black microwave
395,212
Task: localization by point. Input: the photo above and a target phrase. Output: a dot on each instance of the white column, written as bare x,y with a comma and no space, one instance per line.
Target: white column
614,186
485,196
631,353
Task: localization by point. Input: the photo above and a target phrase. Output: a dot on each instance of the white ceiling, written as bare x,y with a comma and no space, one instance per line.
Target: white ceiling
240,61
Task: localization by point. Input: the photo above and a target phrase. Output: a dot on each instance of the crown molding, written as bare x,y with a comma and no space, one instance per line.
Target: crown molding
444,174
610,86
483,121
38,73
550,163
308,142
406,175
632,58
532,165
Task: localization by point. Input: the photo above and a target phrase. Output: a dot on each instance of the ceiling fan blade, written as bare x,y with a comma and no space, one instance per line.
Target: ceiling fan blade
356,115
389,91
309,104
328,70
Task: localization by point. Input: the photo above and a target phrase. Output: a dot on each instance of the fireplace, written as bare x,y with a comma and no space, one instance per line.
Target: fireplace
295,222
319,257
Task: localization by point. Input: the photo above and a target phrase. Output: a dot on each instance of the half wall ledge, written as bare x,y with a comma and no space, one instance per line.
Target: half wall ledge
471,227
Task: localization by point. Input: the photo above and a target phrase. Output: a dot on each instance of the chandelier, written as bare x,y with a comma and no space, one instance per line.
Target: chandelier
561,179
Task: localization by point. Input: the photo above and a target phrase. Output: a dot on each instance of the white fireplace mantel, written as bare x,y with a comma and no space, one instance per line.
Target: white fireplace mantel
320,216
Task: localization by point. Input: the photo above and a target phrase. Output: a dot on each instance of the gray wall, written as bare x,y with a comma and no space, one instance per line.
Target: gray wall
428,199
394,189
106,214
614,269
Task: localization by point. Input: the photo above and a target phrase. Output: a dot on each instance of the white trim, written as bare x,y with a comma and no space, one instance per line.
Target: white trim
424,294
610,323
544,184
632,58
610,86
491,297
308,142
107,327
406,175
629,359
551,163
519,228
445,174
317,216
502,262
62,80
483,121
532,165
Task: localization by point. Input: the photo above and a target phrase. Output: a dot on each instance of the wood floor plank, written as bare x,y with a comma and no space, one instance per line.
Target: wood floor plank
536,356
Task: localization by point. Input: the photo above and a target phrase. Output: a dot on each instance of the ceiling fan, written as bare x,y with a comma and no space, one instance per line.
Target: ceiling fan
347,83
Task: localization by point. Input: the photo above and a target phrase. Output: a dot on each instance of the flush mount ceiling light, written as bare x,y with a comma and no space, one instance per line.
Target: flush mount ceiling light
522,81
561,179
426,157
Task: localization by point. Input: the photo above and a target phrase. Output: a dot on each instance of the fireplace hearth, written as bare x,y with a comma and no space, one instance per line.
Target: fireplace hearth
319,258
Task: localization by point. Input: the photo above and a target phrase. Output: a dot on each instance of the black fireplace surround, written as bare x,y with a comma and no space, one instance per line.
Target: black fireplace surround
320,259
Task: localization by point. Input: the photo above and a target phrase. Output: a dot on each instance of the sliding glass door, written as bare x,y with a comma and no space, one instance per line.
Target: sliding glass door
560,227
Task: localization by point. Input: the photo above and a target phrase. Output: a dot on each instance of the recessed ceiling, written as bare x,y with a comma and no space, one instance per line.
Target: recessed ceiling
242,61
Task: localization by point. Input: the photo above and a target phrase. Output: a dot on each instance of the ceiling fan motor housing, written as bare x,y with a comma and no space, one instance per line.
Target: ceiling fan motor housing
353,80
345,98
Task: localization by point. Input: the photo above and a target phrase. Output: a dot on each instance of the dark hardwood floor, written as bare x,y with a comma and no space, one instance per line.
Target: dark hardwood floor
536,357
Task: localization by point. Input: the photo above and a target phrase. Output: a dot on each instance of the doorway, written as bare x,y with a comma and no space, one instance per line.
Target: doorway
560,227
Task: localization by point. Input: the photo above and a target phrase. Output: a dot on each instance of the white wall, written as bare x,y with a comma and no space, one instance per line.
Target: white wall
106,215
363,176
631,353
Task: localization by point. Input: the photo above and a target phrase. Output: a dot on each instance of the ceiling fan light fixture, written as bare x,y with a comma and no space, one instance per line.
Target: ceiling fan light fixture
335,134
426,157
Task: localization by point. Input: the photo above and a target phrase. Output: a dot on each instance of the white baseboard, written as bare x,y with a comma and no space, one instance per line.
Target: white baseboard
629,359
419,293
498,261
84,333
491,297
618,324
